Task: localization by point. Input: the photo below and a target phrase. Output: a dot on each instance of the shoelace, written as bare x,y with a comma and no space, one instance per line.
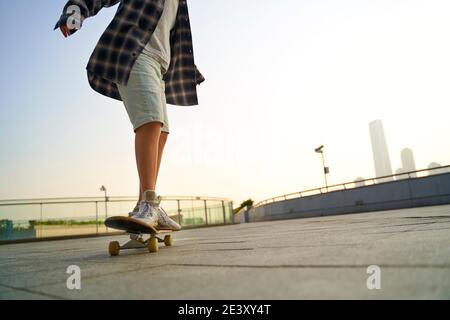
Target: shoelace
164,216
146,211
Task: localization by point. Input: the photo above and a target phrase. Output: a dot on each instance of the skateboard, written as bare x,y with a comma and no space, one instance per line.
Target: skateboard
136,230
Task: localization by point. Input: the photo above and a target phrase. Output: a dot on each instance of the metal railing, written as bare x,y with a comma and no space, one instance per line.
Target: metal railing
58,217
356,184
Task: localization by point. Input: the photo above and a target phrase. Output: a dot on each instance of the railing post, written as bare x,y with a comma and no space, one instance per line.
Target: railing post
96,217
106,211
40,218
206,213
179,212
230,206
224,215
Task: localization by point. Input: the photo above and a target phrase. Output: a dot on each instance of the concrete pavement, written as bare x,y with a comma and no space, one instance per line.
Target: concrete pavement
314,258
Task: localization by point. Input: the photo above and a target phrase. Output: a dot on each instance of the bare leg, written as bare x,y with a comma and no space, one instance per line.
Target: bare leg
146,147
161,144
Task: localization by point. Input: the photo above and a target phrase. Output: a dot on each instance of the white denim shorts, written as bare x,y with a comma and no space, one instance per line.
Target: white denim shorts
144,95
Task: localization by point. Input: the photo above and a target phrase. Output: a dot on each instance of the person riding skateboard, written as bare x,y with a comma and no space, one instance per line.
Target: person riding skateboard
145,59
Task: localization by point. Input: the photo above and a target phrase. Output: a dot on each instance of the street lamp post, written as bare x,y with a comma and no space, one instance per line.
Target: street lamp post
103,188
326,170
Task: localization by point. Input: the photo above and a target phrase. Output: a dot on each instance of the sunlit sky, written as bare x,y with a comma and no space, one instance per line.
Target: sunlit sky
283,77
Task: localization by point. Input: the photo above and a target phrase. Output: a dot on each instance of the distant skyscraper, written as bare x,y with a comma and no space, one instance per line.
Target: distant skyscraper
379,150
434,165
408,163
399,172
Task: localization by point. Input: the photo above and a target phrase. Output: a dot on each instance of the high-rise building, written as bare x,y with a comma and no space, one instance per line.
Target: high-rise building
399,174
408,163
379,150
434,168
433,165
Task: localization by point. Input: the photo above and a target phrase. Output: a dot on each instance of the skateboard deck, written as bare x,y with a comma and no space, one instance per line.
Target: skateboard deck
136,229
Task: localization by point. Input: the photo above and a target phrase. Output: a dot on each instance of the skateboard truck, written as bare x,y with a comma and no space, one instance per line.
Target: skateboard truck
136,230
137,242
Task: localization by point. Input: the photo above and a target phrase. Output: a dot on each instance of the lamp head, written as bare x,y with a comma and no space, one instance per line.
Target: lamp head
319,149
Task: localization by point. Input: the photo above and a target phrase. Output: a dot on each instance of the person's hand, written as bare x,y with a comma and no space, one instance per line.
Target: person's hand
65,30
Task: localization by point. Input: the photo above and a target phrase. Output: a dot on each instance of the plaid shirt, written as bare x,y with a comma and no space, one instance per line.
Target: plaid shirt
124,39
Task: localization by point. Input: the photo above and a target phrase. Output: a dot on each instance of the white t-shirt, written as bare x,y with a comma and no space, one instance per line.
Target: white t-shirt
159,44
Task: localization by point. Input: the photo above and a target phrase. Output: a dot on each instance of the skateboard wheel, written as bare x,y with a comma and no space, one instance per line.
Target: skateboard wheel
168,240
153,244
114,248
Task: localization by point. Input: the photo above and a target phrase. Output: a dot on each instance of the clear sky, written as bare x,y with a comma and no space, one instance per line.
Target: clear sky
283,77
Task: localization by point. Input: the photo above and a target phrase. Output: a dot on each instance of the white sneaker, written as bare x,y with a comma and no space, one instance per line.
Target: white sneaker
164,221
148,210
135,210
